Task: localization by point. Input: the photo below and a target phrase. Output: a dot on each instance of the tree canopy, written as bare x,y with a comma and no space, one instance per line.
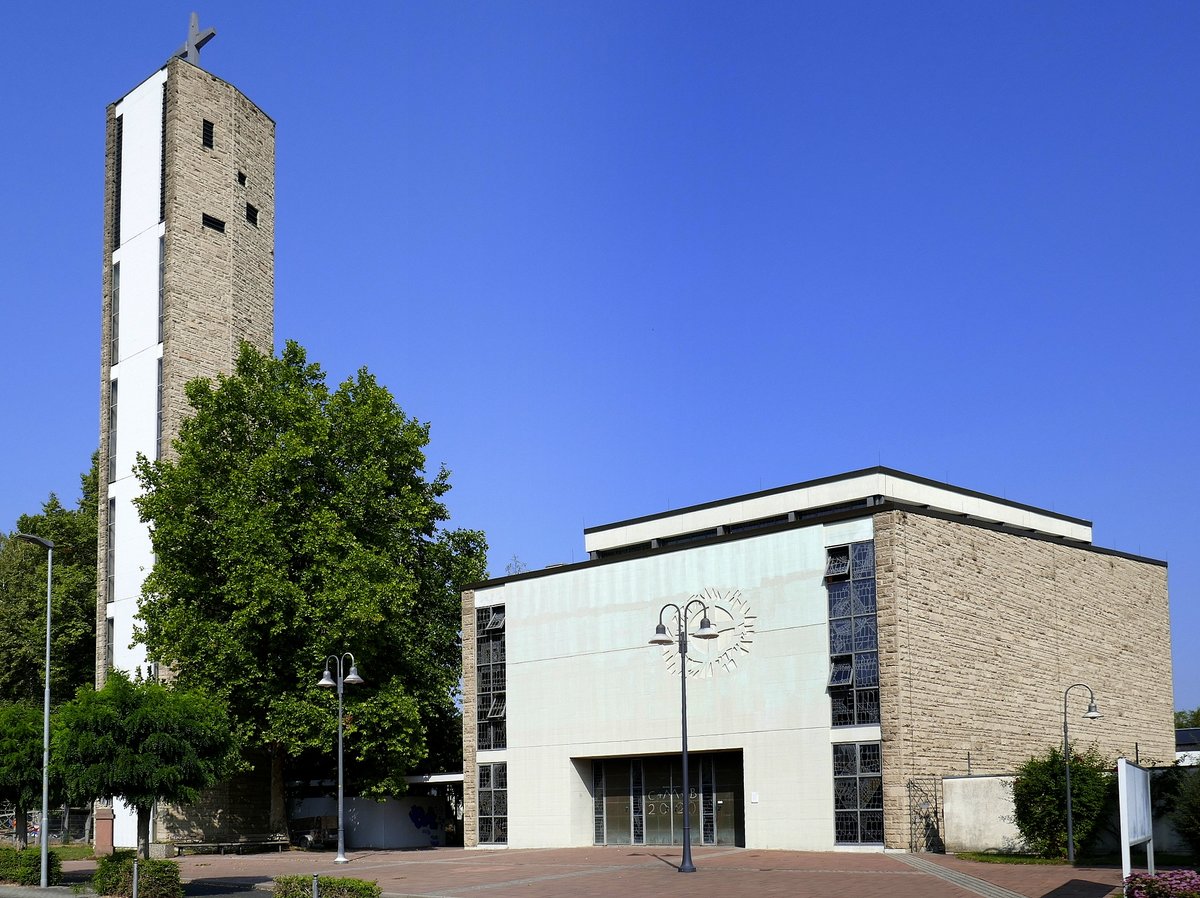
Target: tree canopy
20,761
73,599
291,522
140,741
1186,719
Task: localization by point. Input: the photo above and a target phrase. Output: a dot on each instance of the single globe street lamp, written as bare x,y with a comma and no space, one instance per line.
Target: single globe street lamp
328,682
1090,714
706,631
45,829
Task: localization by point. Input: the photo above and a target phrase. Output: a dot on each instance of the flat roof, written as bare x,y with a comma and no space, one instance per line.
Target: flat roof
864,487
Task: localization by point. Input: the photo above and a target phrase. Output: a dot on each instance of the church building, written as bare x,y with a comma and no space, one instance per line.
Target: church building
871,633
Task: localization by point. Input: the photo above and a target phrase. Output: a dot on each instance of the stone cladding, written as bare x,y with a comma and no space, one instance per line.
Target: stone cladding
219,287
980,632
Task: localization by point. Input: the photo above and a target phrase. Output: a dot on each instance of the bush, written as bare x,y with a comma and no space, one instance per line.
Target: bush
24,866
156,879
107,878
327,887
1040,804
1186,815
1171,884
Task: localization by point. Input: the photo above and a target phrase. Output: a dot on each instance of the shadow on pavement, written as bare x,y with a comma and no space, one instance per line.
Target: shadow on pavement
1081,888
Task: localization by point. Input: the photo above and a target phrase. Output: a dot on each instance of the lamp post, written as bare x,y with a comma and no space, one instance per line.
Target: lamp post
49,547
1090,714
706,631
327,682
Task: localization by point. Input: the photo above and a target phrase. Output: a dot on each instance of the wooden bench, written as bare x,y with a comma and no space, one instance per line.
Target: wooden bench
256,842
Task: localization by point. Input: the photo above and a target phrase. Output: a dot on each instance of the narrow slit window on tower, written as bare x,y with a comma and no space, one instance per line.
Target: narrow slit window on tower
112,431
242,178
158,425
110,552
162,158
207,134
162,271
114,316
118,140
211,222
251,215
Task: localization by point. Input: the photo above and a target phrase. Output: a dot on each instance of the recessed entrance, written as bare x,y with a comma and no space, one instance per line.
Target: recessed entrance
639,801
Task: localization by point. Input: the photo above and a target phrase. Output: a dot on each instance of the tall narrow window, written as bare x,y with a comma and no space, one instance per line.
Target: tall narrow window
162,277
858,793
114,316
853,635
162,158
110,551
206,134
490,694
110,637
119,127
493,804
159,417
112,431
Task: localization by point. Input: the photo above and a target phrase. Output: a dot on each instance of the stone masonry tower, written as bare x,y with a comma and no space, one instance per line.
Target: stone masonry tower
189,234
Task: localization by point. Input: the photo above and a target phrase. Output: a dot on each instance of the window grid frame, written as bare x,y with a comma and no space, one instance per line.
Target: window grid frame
853,632
493,796
491,720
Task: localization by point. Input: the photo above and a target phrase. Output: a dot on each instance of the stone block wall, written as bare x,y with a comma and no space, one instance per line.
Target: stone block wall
981,631
470,730
219,287
236,808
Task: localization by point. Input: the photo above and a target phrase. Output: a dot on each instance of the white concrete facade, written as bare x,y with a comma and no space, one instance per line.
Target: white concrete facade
135,370
583,683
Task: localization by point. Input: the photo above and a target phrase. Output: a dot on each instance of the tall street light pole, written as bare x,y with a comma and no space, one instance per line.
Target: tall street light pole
706,631
45,829
327,682
1090,714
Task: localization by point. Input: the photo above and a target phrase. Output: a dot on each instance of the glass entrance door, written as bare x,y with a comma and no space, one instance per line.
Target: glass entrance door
639,801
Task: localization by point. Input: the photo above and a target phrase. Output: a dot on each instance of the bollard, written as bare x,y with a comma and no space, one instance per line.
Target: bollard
314,895
135,872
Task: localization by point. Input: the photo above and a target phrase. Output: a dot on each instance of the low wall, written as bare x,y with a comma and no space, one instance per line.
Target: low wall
409,822
978,813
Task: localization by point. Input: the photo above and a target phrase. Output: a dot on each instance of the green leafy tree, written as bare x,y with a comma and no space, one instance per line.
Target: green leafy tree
1186,815
140,741
1040,803
73,600
20,762
291,522
1186,719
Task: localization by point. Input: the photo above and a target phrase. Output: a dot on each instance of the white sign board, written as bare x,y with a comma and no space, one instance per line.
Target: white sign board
1137,823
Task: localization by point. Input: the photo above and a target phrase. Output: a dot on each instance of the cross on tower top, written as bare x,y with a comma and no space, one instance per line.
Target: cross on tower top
190,51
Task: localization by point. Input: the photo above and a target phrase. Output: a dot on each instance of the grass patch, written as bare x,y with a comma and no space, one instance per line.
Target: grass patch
77,851
1002,858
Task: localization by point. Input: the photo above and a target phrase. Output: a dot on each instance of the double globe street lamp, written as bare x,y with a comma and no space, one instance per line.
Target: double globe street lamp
1091,713
45,832
328,682
661,637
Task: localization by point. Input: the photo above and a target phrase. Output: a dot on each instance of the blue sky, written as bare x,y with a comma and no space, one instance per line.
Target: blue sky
627,257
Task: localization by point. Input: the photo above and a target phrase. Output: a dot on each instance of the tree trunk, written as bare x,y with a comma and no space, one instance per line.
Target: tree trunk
279,821
21,820
143,832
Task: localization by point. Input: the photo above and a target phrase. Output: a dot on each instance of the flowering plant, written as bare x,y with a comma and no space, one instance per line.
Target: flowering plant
1169,884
